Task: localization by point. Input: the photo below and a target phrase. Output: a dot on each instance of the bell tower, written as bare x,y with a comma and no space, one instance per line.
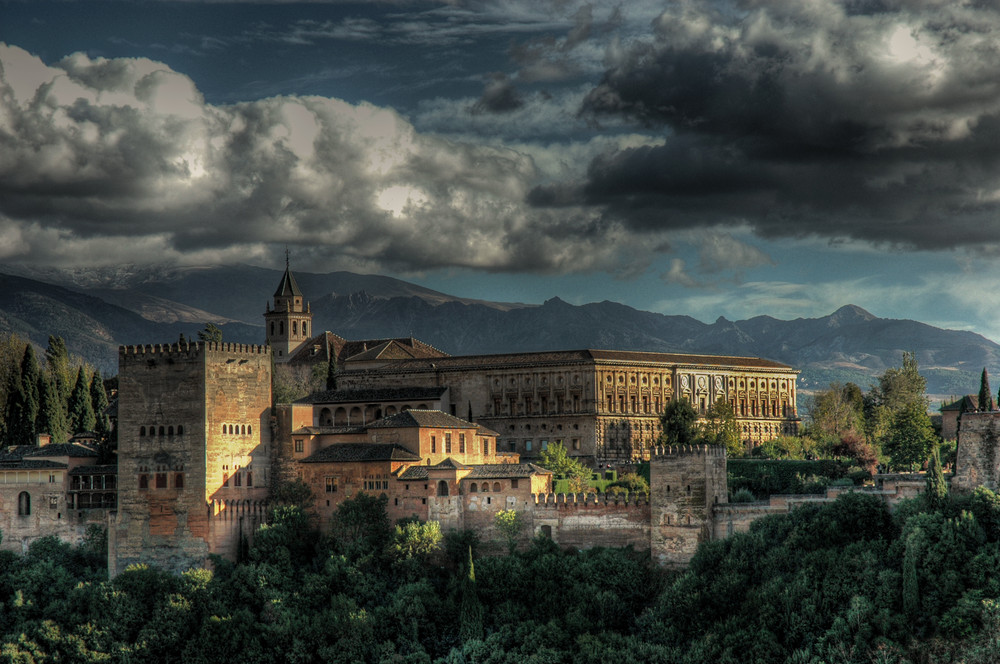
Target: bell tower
287,325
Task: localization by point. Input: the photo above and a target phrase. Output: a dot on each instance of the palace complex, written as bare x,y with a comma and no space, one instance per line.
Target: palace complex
201,446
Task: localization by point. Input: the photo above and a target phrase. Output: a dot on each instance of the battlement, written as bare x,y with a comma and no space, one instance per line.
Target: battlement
556,500
188,350
687,450
230,509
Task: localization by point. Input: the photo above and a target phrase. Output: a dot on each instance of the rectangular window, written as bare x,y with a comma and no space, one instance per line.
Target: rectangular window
434,445
544,445
249,478
447,442
179,481
300,445
238,479
331,485
527,445
461,443
576,443
486,447
143,482
512,445
161,480
513,484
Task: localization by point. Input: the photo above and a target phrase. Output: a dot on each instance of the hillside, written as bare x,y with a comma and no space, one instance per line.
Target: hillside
98,309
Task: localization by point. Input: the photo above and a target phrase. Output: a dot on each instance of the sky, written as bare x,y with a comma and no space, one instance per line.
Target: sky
735,159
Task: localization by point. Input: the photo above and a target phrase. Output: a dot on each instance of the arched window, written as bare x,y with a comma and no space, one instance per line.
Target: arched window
340,417
281,327
249,478
250,430
473,488
142,431
180,429
356,416
231,429
24,504
496,486
305,328
295,328
161,429
243,430
325,418
170,430
442,488
272,328
486,487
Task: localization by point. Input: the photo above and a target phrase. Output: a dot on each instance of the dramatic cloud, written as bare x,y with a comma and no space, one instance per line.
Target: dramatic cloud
499,96
870,120
101,158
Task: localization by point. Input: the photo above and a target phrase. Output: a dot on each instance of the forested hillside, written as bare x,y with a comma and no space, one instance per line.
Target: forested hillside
847,582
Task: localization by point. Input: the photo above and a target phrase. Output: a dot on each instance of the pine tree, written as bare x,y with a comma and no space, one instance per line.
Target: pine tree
985,393
81,411
471,616
51,417
99,402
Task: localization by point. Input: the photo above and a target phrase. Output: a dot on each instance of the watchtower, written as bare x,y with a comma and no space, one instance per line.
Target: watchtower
686,482
193,443
287,326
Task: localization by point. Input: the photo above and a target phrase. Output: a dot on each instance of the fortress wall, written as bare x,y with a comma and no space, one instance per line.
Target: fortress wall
587,520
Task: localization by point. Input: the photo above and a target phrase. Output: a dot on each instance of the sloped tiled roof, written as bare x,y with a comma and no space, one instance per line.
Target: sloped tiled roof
505,470
320,347
356,452
422,418
288,287
63,449
375,394
29,464
968,402
449,464
586,356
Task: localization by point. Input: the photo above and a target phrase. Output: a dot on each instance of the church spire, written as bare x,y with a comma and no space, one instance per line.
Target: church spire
287,324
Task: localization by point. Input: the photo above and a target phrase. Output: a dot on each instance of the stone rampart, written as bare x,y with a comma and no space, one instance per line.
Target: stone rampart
587,520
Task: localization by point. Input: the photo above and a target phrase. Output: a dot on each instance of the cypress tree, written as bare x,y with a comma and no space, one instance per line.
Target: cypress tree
81,411
985,394
99,401
30,373
331,368
19,431
471,617
57,363
51,418
937,489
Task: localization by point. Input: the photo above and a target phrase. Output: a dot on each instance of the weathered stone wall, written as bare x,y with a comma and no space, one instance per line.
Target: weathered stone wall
978,457
584,521
49,513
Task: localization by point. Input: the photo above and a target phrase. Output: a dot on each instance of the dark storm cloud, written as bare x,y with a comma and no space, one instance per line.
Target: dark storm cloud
499,96
876,121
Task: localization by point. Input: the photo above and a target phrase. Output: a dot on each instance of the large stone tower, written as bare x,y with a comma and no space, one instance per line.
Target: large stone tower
686,482
288,325
193,452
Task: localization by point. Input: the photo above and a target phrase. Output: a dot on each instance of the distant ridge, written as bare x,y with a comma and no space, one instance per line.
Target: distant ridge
97,310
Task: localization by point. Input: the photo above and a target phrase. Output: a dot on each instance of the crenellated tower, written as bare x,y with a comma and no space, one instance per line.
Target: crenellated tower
288,324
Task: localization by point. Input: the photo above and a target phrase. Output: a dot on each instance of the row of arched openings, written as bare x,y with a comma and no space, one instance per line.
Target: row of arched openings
237,429
295,328
163,431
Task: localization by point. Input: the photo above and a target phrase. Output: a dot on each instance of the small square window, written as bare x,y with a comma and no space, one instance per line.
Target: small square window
299,445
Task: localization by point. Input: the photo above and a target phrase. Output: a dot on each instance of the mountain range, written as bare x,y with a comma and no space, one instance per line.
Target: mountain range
96,310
